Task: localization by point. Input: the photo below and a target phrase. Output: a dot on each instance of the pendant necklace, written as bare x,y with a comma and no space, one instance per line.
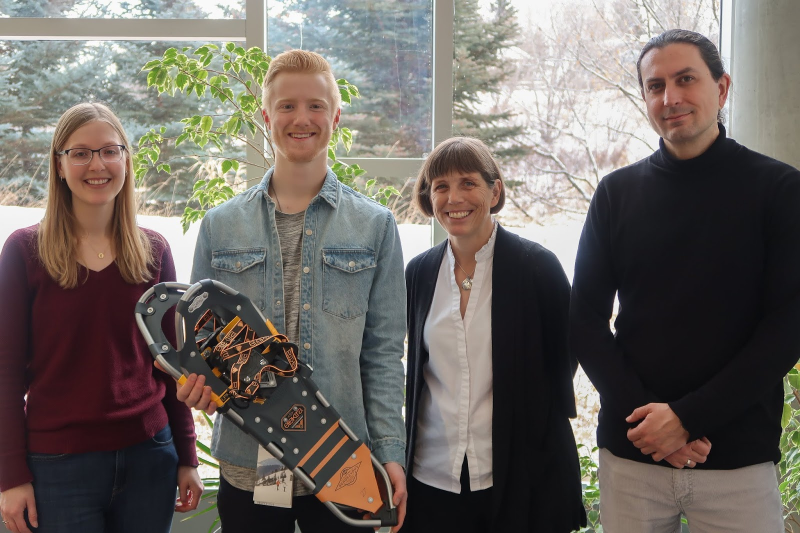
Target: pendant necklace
467,283
100,255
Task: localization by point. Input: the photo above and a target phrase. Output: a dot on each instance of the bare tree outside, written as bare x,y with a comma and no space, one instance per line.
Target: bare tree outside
576,92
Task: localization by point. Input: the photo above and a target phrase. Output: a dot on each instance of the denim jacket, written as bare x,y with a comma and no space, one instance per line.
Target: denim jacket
352,298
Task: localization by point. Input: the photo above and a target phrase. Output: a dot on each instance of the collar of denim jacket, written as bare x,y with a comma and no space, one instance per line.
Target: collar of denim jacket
329,191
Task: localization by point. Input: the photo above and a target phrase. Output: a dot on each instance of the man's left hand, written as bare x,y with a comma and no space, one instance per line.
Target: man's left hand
660,432
398,477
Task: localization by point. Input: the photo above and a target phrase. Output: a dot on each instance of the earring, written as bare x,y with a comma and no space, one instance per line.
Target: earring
62,177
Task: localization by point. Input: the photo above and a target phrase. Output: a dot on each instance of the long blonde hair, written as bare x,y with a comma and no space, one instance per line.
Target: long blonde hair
57,236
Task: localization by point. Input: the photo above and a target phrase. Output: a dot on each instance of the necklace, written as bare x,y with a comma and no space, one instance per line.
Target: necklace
275,194
100,255
467,283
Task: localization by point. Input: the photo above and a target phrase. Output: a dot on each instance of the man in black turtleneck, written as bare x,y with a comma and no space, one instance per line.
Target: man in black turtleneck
701,243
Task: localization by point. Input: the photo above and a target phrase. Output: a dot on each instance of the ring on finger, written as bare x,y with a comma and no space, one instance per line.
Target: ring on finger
688,462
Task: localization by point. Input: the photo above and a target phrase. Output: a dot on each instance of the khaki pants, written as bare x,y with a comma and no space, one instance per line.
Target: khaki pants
641,498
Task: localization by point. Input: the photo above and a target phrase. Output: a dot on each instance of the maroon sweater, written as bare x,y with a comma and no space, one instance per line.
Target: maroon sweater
79,357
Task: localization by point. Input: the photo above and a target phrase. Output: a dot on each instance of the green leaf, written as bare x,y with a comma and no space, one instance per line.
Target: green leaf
182,137
226,166
206,123
347,139
794,380
787,415
230,47
152,77
207,462
151,64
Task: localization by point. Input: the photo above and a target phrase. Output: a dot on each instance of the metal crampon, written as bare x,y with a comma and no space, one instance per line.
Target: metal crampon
258,382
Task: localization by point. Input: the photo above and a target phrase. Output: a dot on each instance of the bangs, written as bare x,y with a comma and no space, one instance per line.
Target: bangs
458,157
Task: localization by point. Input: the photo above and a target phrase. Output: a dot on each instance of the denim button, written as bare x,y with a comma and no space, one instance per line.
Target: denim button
309,232
277,302
307,345
306,306
306,270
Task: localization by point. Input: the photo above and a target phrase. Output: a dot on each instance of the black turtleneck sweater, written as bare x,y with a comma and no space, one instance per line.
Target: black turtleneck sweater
705,257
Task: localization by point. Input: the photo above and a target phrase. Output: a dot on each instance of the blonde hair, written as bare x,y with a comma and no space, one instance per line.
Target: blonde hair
304,62
57,235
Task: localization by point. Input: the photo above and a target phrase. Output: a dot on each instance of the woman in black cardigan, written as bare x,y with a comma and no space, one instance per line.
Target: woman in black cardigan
489,390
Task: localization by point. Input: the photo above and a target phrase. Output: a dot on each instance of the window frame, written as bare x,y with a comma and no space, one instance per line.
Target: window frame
253,31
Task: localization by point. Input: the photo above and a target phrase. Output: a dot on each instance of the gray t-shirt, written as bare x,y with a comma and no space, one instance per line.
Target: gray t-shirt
290,235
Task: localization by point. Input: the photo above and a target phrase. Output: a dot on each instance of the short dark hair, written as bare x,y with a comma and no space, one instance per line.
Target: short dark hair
708,51
457,154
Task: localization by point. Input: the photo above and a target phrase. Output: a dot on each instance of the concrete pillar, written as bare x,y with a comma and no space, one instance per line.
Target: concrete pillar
763,48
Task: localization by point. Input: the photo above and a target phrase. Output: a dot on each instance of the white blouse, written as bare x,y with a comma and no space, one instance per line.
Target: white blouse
455,412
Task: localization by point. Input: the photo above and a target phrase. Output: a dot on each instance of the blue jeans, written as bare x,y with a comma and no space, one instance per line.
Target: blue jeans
129,490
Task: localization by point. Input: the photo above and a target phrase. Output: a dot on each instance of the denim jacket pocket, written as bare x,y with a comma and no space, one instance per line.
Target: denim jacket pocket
347,275
242,269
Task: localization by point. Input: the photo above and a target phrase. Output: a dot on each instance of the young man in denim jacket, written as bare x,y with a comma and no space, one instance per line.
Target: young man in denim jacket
324,263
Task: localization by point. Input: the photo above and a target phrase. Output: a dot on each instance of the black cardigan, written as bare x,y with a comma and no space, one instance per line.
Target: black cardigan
536,472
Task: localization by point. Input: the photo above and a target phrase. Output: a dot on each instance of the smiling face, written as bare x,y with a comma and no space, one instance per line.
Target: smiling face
99,182
682,98
301,116
462,204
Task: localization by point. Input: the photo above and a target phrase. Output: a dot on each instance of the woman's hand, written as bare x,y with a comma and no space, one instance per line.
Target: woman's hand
13,503
189,489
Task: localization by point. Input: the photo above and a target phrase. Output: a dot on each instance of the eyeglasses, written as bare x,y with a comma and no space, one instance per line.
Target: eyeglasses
83,156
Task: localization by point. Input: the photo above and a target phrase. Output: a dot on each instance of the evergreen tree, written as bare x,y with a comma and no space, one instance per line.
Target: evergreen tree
481,66
384,48
41,79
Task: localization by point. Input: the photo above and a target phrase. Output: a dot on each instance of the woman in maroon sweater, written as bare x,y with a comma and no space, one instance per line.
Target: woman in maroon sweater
93,439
